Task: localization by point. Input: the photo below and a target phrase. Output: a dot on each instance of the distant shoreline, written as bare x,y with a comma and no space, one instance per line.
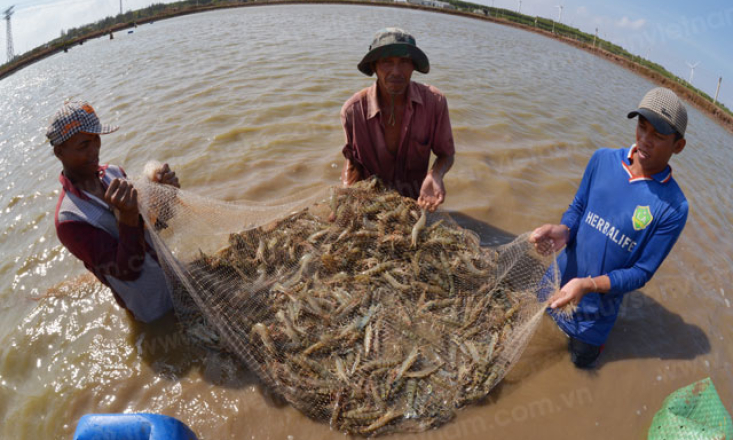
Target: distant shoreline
702,104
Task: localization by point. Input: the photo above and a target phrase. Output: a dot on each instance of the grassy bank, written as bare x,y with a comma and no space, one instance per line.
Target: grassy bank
543,26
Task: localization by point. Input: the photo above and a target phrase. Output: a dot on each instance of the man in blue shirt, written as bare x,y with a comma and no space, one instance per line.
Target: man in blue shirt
626,215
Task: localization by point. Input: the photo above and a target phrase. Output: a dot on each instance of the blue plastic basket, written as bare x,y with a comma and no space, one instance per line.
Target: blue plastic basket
131,427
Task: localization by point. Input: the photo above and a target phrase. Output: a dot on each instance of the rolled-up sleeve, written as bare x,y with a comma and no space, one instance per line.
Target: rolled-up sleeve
443,144
347,121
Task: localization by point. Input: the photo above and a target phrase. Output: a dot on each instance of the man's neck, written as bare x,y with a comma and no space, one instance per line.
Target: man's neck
85,182
636,169
385,98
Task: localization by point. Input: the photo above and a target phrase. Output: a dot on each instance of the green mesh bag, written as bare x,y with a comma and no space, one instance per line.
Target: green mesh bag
694,412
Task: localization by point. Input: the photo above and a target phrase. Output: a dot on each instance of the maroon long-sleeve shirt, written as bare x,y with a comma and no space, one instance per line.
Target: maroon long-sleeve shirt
425,127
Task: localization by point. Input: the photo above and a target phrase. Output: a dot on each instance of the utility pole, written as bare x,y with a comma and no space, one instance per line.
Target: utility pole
120,7
594,38
9,13
720,80
520,7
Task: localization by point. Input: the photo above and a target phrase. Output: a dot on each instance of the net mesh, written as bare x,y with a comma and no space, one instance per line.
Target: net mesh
352,304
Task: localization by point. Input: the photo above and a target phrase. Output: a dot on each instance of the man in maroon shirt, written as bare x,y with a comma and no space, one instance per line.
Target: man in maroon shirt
97,217
392,126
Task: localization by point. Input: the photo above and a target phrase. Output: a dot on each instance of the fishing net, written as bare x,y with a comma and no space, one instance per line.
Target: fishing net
352,304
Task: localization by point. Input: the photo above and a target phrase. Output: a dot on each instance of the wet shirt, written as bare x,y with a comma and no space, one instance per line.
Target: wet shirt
621,226
425,128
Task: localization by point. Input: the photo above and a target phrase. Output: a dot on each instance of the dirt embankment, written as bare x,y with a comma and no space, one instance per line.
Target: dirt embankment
702,104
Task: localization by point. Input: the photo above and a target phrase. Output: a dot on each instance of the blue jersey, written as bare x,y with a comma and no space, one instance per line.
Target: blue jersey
621,226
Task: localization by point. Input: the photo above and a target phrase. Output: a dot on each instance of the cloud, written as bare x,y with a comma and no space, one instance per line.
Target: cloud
626,23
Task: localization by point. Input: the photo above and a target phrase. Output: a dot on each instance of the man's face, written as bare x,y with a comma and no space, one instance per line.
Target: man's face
653,148
393,74
80,153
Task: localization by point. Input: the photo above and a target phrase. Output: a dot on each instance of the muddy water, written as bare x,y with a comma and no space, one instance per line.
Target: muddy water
244,105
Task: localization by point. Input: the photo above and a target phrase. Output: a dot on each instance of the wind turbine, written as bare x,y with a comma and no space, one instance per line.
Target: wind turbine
692,70
559,15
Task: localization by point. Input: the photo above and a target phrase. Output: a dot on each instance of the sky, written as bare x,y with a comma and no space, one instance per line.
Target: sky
674,34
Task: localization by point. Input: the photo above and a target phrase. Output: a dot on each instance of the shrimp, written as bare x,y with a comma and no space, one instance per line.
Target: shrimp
417,228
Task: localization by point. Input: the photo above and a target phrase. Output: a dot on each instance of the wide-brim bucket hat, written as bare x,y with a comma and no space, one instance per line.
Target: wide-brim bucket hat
394,42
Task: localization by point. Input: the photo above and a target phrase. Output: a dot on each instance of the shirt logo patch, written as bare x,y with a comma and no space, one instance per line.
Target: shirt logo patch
642,218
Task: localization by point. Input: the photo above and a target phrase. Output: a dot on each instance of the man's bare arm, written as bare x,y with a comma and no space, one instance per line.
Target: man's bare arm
351,173
442,165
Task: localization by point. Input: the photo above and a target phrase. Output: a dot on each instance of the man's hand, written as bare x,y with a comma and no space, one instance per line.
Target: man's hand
122,196
573,292
166,176
549,238
432,192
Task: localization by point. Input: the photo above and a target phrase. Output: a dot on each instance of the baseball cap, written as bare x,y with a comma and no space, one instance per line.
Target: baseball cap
75,117
664,110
